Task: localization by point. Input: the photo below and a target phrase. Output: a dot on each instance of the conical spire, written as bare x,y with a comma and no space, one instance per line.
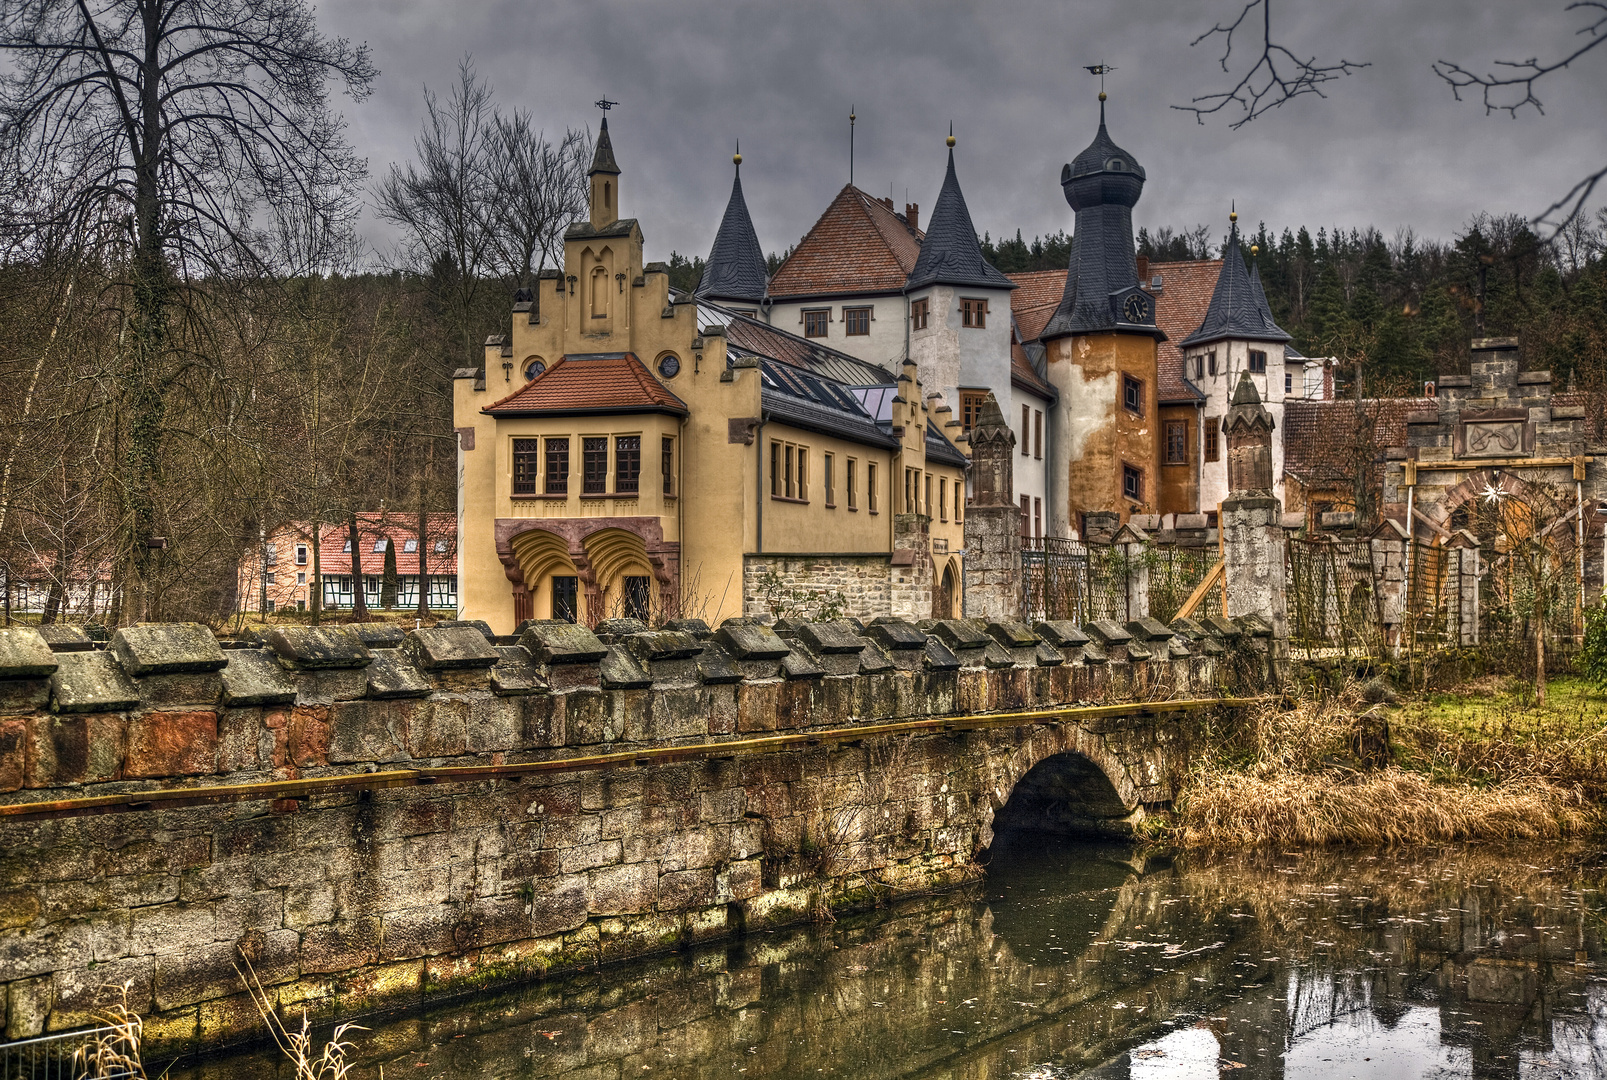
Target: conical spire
1261,304
950,254
736,267
602,161
1235,312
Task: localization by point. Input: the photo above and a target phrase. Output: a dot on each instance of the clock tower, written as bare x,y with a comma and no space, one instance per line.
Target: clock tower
1100,346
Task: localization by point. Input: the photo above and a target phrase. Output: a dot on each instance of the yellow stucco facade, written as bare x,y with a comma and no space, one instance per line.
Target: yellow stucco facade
629,501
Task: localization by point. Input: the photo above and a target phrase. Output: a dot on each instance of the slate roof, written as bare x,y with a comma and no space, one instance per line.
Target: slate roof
590,383
1319,436
736,268
859,245
950,254
1101,184
602,159
1236,305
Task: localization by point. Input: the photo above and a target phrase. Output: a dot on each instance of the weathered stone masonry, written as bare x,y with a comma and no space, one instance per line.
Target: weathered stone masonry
349,900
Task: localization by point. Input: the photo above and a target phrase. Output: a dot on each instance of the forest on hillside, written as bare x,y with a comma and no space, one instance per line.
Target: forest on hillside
1404,307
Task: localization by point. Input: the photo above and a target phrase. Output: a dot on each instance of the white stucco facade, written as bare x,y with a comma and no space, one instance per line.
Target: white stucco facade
883,346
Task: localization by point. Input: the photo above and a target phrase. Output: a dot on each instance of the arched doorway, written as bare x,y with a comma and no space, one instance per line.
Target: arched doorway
551,579
945,598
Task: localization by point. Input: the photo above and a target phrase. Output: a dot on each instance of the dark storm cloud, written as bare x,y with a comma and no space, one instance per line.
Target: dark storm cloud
1389,146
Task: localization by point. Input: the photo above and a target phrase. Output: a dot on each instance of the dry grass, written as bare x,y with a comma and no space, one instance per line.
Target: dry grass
298,1046
115,1051
1330,771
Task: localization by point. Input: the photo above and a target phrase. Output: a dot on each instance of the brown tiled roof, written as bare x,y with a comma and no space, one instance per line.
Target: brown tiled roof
1180,306
1036,299
398,528
590,383
859,245
1319,437
1022,373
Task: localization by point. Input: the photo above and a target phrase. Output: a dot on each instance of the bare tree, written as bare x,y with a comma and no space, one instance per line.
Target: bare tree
442,202
1278,75
161,132
538,188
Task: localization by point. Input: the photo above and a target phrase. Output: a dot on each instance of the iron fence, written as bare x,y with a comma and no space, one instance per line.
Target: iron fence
1055,574
51,1057
1334,601
1068,579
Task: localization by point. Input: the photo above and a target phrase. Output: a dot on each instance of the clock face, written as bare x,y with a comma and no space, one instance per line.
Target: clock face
669,367
1136,309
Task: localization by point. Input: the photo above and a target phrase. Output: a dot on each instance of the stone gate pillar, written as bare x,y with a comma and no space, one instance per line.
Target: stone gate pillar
1252,522
993,585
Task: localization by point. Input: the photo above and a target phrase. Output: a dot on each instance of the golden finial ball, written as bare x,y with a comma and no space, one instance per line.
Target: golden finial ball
1255,249
1102,95
950,140
736,159
1234,216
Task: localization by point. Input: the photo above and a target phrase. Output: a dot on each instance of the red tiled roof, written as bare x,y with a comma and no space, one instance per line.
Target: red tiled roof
1180,307
859,245
1320,437
590,383
398,527
1034,303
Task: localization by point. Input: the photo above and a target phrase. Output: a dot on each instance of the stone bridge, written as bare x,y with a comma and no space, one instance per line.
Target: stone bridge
372,818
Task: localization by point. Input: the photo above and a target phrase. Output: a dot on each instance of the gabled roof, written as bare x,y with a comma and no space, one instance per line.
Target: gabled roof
950,254
1037,295
1321,443
440,530
1025,376
736,268
590,383
745,335
1180,306
805,400
1234,312
859,245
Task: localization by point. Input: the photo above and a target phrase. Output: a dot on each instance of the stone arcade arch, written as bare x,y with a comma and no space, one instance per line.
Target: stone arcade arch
1064,780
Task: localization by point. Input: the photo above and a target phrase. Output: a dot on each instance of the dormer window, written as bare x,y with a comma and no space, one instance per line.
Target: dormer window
1115,164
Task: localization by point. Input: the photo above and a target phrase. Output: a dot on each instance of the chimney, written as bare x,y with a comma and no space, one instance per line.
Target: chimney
887,201
912,215
1143,271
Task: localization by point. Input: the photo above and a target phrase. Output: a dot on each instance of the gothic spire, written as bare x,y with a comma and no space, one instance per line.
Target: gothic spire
950,254
736,268
1237,303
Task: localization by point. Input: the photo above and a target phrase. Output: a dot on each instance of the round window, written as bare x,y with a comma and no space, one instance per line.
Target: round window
533,367
669,365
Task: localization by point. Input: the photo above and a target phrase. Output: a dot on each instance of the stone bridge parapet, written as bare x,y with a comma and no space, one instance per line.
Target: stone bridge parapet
368,823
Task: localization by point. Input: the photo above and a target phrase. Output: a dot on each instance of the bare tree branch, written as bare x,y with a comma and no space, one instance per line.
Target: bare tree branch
1278,75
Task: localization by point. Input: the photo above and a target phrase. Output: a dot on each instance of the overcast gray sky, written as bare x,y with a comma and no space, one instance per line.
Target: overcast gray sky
1389,146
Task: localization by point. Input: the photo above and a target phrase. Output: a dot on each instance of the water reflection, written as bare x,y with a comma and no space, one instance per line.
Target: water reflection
1071,961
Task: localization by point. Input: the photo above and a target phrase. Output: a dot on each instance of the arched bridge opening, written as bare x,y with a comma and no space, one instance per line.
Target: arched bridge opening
1067,794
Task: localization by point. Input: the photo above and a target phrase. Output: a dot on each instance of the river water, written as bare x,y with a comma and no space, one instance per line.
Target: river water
1074,961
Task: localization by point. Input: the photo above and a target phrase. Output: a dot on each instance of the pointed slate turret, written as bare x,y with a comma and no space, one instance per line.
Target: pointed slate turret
1237,304
736,268
1261,304
950,254
602,159
1101,185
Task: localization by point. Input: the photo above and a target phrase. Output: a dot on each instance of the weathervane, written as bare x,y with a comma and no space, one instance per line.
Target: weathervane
1101,70
604,104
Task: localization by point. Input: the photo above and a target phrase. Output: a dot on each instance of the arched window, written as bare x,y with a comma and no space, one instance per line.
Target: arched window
608,195
599,292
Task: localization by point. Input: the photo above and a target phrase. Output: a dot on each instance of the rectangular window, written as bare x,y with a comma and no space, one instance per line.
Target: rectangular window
1026,523
971,407
1199,368
271,576
371,584
1288,382
1177,442
594,463
638,597
1210,361
347,550
1037,434
974,313
856,321
379,545
271,605
920,311
524,466
271,554
943,498
816,321
440,549
301,554
1026,443
668,464
775,470
789,489
1211,438
831,480
870,486
565,598
410,546
1132,483
926,496
301,577
1133,395
852,479
803,473
1258,362
1037,517
627,463
558,466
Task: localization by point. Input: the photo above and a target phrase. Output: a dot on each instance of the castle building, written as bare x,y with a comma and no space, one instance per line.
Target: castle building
631,451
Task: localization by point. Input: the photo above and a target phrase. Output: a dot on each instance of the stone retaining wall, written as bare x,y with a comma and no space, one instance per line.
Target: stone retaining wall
348,901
